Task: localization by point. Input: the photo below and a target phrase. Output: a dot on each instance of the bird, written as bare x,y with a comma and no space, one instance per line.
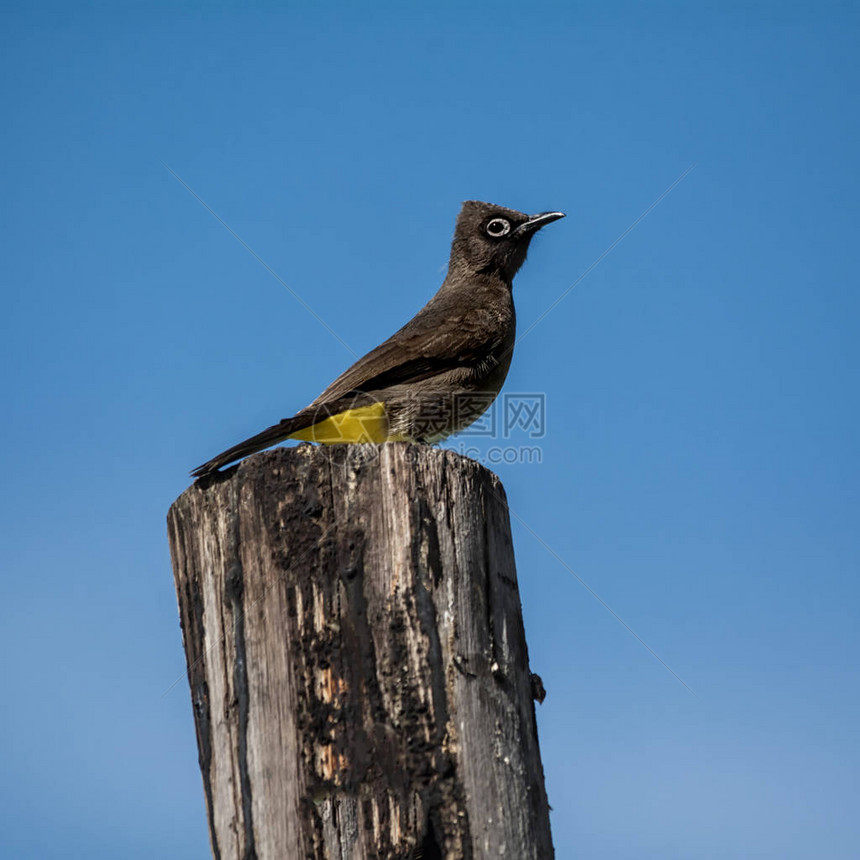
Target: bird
443,369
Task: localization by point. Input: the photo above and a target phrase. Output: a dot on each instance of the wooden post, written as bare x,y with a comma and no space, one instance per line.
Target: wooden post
356,656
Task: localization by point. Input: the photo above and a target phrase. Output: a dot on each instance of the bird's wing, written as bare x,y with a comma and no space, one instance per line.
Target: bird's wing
427,345
445,338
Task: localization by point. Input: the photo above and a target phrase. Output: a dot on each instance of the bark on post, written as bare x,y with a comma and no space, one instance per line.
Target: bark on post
356,656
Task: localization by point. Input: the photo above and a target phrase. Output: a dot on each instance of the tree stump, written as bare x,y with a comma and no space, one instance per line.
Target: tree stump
356,657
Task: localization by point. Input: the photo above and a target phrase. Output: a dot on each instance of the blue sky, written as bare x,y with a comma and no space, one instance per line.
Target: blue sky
700,464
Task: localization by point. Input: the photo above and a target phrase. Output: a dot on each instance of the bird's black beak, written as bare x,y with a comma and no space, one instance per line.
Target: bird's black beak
537,221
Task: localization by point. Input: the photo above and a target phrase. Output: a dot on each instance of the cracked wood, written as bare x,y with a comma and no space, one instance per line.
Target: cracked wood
358,668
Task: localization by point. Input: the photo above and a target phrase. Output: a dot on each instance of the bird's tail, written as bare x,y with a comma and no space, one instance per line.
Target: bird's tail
359,417
271,436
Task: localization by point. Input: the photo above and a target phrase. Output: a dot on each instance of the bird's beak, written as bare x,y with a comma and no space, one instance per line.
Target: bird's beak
537,221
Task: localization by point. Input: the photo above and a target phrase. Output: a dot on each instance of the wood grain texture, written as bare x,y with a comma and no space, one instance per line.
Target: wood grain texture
356,656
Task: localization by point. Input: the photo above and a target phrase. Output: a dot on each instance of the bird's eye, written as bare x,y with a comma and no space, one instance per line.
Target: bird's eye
498,227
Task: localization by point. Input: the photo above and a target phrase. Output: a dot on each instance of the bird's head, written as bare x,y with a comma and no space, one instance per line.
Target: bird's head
494,240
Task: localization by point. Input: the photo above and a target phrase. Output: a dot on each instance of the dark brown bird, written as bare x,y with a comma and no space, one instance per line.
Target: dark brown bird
444,368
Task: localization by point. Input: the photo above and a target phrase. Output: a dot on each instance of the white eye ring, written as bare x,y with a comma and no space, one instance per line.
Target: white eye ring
498,227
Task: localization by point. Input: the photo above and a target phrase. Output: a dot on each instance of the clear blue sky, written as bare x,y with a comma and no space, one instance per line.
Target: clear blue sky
700,468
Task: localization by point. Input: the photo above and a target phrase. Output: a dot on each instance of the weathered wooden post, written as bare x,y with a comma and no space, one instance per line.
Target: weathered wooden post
356,656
